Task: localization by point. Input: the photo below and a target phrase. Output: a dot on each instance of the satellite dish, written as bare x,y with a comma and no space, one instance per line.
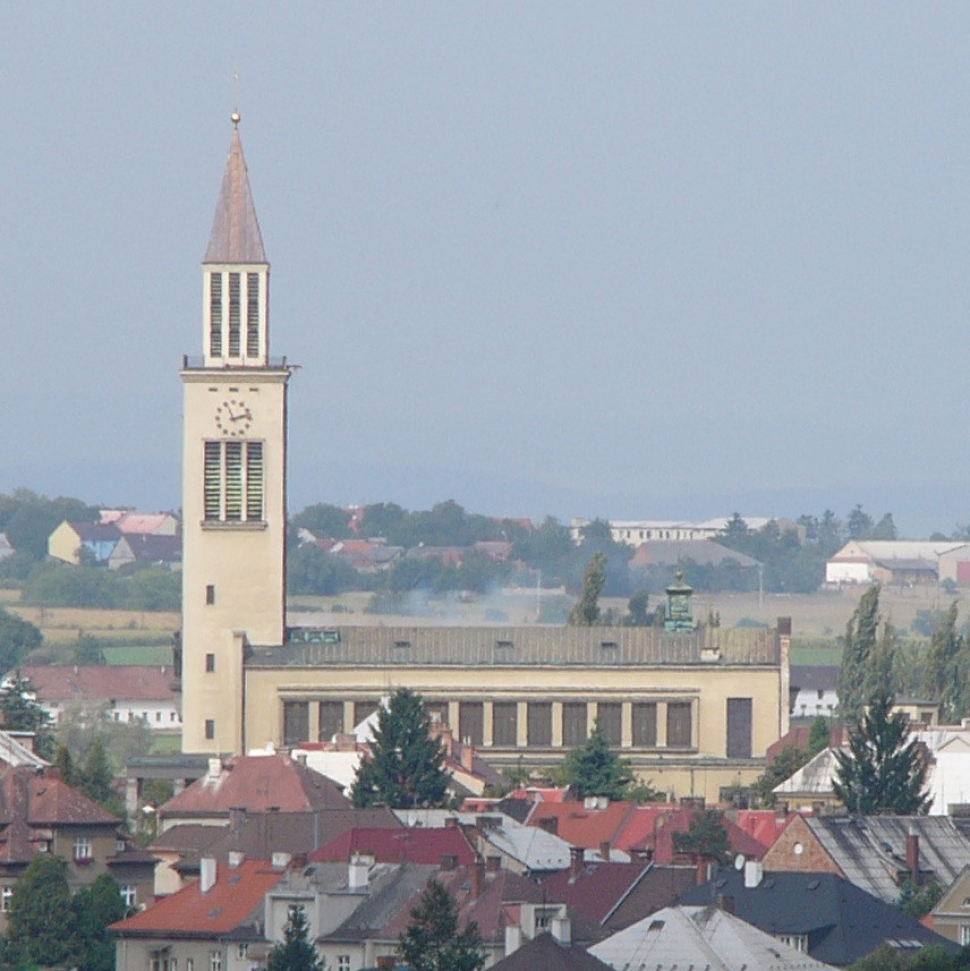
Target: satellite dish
739,862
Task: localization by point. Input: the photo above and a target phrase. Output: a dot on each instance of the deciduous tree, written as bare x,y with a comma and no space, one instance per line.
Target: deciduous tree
406,768
41,928
857,648
586,612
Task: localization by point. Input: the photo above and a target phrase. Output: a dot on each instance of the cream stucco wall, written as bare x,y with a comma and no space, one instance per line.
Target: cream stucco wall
241,562
700,769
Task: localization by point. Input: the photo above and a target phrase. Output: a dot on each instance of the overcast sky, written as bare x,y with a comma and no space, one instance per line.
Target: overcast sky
581,258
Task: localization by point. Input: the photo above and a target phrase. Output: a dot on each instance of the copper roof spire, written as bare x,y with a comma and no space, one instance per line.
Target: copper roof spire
235,236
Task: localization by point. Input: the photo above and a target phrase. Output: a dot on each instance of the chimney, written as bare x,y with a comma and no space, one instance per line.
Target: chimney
467,754
236,859
357,873
513,938
724,903
753,872
215,768
478,879
605,850
575,862
280,861
300,758
912,856
562,931
550,824
207,873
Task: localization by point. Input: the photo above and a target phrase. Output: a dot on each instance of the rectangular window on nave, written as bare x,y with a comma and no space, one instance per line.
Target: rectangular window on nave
505,724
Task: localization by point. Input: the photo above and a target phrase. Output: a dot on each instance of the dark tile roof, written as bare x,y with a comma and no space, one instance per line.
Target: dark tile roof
842,922
597,888
516,647
47,801
235,236
398,845
544,953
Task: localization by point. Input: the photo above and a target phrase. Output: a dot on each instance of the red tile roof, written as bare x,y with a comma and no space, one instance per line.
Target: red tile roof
257,783
397,845
237,893
581,826
122,683
652,828
49,801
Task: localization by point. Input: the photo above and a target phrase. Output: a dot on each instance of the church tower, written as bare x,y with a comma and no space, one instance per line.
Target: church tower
233,475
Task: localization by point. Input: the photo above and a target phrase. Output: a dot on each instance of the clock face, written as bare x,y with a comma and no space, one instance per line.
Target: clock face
233,417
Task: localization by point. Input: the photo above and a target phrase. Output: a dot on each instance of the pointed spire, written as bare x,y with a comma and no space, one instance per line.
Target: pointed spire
235,236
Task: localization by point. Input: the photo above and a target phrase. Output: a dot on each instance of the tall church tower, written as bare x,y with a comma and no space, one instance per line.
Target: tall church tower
234,475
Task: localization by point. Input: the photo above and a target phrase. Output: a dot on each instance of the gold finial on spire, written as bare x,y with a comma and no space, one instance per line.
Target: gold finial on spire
235,118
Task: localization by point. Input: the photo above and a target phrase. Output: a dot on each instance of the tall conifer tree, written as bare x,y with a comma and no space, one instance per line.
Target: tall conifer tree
406,770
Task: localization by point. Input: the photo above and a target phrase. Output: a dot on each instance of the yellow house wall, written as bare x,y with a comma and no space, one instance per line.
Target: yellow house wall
64,543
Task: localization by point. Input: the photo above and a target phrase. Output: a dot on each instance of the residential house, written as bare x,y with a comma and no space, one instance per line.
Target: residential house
699,937
703,552
39,813
6,549
398,845
621,831
508,909
74,542
132,523
551,951
130,692
878,854
948,773
814,690
950,918
146,549
515,846
255,783
616,895
257,835
217,923
821,915
904,562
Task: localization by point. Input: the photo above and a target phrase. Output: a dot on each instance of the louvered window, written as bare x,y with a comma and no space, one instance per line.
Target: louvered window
234,312
215,314
252,315
254,480
234,482
213,480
